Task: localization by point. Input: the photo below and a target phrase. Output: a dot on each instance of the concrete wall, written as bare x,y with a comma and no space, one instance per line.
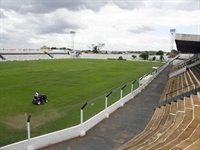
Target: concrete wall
36,55
116,56
81,129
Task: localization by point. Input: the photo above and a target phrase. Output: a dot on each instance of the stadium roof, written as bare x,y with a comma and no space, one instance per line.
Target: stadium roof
188,43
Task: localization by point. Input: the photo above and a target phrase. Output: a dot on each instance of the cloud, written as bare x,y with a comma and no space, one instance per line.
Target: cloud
46,6
60,21
2,15
37,41
141,29
175,5
130,5
121,24
4,37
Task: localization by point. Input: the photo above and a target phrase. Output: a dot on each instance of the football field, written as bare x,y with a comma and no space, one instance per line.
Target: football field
68,84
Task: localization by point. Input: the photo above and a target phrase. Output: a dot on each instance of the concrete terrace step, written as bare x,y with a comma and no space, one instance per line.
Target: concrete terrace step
157,135
150,124
146,140
189,137
184,135
174,107
194,145
137,141
188,103
187,119
196,100
191,134
170,126
179,118
181,106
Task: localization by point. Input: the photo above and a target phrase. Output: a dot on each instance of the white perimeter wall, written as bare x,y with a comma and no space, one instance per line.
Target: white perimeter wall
10,57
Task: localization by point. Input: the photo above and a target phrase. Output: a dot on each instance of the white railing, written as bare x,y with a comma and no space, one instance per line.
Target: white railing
194,64
183,69
175,73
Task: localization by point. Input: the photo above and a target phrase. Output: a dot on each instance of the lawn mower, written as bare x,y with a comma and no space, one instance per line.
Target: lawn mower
41,99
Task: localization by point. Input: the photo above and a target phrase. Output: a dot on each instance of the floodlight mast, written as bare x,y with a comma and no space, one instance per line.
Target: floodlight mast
173,32
72,40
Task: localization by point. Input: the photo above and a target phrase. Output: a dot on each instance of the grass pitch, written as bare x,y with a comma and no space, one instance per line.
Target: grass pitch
67,83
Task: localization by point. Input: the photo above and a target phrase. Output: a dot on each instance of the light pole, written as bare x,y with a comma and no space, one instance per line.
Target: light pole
72,40
172,31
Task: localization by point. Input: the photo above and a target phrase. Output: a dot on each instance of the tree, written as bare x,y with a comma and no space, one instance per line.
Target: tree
144,55
161,57
134,56
160,52
120,58
69,49
97,47
154,58
44,47
174,51
63,48
95,50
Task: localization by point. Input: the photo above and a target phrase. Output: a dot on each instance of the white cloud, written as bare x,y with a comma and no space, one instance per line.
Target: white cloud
2,15
122,25
37,40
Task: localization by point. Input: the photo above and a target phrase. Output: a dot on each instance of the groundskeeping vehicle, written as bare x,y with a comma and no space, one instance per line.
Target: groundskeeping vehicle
42,99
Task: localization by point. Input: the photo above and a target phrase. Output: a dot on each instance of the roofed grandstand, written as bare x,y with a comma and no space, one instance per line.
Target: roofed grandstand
175,123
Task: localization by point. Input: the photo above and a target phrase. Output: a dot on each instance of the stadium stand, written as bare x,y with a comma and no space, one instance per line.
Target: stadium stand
174,126
6,55
182,84
175,123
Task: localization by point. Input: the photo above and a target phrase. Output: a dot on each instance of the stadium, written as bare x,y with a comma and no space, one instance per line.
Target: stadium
161,111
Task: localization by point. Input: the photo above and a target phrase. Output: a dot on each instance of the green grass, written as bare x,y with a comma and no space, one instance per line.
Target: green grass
68,84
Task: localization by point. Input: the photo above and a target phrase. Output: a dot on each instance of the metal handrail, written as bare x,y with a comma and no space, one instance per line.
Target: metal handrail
178,89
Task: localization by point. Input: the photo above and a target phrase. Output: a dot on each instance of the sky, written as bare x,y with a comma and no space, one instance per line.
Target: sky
123,25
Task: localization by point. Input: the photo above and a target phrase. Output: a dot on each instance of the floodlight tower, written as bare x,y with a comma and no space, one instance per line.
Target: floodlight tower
72,40
173,32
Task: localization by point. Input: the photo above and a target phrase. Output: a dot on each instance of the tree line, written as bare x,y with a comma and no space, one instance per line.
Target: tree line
145,55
